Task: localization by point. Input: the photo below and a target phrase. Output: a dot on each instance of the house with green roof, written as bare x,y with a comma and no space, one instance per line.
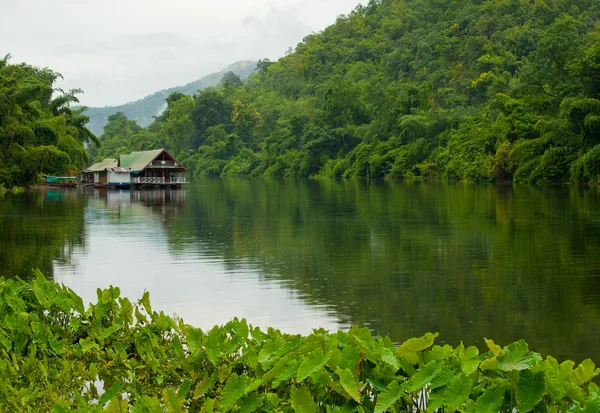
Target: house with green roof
97,173
153,168
156,168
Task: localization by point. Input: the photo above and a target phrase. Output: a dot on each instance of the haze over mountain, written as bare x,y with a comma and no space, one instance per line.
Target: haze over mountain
144,110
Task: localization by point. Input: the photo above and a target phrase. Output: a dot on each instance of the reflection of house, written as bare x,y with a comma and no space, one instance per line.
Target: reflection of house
138,169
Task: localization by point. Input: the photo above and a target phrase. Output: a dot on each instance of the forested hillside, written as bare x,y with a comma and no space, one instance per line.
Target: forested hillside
39,131
144,110
471,90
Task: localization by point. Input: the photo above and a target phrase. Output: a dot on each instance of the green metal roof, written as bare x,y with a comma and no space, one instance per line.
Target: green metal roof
137,161
101,166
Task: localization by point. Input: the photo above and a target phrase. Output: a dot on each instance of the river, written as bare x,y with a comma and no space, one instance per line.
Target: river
401,258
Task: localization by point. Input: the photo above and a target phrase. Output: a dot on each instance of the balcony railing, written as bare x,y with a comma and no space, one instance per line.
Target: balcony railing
159,180
149,180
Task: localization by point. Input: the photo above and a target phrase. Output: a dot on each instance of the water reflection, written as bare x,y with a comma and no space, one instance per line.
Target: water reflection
38,229
141,240
400,258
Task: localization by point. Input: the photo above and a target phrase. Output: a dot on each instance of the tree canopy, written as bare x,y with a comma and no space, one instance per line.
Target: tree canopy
39,131
471,90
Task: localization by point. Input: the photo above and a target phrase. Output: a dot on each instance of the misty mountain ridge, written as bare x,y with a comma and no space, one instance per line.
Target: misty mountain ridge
144,110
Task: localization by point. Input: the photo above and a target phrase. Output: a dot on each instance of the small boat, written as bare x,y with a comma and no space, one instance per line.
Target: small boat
60,181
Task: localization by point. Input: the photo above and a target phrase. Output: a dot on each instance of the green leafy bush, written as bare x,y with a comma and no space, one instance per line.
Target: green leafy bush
115,355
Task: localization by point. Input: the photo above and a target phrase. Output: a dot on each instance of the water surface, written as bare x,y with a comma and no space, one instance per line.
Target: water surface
400,258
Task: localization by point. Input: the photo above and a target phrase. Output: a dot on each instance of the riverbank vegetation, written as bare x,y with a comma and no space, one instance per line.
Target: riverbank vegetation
462,90
39,132
117,355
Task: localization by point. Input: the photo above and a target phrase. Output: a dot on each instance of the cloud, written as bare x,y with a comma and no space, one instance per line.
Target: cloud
122,50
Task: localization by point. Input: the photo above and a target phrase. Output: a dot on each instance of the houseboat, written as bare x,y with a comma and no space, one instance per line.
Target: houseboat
156,168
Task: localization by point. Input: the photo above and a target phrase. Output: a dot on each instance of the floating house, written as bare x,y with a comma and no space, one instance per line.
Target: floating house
156,168
97,174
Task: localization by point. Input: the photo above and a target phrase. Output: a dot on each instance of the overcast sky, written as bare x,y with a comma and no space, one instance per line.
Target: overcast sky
122,50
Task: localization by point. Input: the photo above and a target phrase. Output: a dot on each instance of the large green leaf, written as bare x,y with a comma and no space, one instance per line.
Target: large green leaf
312,363
469,360
302,401
424,375
389,396
110,393
235,388
517,357
592,406
349,383
554,385
417,344
457,392
585,372
530,390
490,401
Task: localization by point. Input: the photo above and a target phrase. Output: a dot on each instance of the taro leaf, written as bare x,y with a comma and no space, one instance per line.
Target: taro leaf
594,389
289,346
235,388
185,388
436,400
171,400
442,379
312,363
457,392
56,346
592,406
110,393
350,356
209,405
146,302
494,348
577,394
366,343
177,346
469,360
349,384
554,384
205,383
417,344
389,357
193,339
212,346
530,390
250,403
517,357
288,371
302,401
389,396
424,375
108,331
584,372
490,401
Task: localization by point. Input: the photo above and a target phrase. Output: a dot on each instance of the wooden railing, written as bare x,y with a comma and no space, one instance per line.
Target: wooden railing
149,180
159,180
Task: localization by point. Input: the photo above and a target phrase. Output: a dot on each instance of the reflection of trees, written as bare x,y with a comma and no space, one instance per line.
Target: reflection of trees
407,258
38,228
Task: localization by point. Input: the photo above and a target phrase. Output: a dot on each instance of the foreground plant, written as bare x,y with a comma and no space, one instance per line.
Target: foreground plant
115,355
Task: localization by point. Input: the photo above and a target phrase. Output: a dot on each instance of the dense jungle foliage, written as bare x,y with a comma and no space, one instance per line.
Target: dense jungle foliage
115,355
472,90
39,132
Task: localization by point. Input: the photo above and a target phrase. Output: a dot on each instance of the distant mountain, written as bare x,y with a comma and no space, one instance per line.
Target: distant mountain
144,110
